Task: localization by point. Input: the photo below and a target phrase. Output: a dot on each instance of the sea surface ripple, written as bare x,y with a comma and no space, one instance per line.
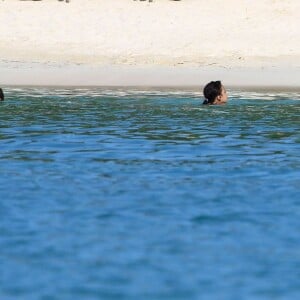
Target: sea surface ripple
118,193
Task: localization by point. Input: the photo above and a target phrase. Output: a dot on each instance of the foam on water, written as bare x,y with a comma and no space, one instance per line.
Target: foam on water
162,92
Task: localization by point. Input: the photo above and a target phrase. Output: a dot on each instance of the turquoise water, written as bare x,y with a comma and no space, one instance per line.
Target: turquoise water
147,194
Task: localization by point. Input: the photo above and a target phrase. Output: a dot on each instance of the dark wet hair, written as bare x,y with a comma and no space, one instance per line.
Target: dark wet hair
1,95
211,91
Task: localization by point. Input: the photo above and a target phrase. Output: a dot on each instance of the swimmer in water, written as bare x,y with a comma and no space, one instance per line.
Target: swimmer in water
1,95
215,93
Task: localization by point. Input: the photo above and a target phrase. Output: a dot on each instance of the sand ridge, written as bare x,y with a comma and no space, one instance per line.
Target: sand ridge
162,32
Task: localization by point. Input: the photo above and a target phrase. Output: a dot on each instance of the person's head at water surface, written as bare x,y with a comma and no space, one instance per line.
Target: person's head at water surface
215,93
1,95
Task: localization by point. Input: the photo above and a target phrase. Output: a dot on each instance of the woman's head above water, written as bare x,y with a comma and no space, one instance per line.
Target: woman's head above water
215,93
1,95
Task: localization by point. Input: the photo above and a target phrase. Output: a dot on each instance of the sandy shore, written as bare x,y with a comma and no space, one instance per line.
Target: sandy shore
127,42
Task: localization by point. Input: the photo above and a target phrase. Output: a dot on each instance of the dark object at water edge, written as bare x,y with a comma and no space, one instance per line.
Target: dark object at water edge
1,95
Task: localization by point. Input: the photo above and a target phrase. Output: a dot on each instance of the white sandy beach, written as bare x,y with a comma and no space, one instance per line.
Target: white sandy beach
127,42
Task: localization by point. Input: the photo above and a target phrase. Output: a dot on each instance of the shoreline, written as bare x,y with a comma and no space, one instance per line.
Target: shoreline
17,73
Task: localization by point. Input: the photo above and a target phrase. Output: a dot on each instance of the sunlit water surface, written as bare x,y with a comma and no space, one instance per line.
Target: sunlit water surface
147,194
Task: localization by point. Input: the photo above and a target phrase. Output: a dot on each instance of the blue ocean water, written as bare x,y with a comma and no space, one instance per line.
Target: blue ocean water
115,193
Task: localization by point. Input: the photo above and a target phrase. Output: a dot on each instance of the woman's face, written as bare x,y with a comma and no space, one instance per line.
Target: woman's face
222,99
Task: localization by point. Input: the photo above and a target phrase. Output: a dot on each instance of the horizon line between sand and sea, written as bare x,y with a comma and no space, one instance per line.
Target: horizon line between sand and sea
75,75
